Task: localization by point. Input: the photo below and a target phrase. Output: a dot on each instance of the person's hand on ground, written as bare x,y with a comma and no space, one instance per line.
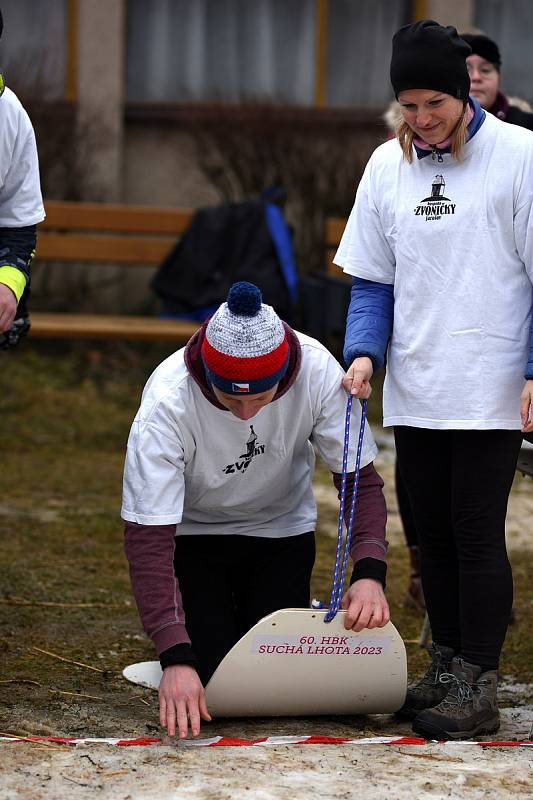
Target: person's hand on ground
365,605
357,378
182,700
8,307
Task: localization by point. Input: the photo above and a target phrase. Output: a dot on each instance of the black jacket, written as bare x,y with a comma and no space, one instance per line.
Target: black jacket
516,116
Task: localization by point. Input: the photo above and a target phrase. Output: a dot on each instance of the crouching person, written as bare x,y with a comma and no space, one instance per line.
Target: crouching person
218,501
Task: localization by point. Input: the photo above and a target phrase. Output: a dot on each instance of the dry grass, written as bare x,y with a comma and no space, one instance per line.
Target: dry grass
64,419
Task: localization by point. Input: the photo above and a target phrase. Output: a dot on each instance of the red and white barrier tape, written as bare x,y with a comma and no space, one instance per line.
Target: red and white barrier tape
269,741
143,741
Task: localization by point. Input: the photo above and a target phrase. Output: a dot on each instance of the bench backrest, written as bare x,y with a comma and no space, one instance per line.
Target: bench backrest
107,233
333,230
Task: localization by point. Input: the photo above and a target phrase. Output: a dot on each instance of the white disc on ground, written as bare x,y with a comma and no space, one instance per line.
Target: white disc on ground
145,673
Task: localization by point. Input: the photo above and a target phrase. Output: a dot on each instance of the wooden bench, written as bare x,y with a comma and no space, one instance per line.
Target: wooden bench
333,230
98,233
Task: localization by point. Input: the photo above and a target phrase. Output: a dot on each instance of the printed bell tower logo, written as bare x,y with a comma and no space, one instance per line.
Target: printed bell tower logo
437,190
436,205
245,459
250,444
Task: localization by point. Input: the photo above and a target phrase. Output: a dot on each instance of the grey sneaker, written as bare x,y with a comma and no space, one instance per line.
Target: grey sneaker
429,691
469,709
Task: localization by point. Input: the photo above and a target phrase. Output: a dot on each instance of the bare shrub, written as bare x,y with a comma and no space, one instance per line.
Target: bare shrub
317,157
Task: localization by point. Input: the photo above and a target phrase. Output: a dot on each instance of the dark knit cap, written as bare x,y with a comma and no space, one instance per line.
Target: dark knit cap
483,47
426,55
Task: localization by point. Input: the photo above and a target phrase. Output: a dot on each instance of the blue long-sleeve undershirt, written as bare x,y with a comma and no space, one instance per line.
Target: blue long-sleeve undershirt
529,366
369,322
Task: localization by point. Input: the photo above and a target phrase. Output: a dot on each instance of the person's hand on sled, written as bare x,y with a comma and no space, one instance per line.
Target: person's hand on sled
182,700
365,605
357,378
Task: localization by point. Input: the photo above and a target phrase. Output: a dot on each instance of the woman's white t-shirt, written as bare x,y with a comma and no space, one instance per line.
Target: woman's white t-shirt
189,462
456,240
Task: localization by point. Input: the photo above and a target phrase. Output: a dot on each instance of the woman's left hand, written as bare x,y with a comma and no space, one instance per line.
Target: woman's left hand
365,605
526,407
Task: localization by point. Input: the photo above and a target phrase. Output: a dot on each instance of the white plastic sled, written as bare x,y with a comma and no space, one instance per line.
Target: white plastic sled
292,663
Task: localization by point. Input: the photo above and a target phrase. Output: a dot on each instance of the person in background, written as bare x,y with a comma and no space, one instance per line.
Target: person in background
218,499
440,247
21,208
484,64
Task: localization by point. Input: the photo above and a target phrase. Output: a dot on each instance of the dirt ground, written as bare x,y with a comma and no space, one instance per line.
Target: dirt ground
64,589
174,772
260,773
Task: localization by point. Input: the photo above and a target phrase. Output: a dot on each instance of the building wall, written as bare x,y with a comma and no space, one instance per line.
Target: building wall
160,168
145,163
459,13
100,46
141,161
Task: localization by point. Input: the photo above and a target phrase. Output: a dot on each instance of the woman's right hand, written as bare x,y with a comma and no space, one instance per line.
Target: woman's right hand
526,407
357,378
181,700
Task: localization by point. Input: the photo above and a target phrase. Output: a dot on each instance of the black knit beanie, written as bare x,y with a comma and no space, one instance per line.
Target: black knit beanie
426,55
484,47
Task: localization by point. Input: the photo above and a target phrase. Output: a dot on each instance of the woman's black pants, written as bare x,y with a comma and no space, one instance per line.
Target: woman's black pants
228,583
458,482
404,509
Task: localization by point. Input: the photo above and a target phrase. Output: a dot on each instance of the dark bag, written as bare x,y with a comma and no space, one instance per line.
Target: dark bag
224,244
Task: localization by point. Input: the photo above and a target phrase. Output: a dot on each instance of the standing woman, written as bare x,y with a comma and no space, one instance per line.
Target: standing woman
440,247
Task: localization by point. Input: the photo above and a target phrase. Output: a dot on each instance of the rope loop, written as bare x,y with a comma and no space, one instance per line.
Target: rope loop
341,556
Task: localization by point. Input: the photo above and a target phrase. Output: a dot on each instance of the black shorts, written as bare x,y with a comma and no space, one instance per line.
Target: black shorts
228,583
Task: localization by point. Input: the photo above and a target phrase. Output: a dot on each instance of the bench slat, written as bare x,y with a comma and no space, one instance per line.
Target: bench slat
119,218
80,247
102,326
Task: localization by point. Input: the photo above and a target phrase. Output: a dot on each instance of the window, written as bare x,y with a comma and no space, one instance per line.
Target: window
33,47
510,23
359,50
233,51
220,50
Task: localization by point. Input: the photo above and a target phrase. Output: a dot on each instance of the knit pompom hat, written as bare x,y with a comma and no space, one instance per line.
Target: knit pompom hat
245,349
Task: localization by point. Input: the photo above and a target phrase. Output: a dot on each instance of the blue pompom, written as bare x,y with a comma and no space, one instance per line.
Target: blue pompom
244,299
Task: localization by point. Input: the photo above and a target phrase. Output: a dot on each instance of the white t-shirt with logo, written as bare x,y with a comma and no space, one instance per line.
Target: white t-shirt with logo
204,469
20,190
456,240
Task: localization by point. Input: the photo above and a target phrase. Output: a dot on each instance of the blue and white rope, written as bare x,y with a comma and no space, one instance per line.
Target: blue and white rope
341,557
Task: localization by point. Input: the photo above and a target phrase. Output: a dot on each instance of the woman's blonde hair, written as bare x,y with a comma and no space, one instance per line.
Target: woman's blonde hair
406,135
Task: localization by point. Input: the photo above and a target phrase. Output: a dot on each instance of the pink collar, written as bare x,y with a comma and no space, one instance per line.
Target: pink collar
422,145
